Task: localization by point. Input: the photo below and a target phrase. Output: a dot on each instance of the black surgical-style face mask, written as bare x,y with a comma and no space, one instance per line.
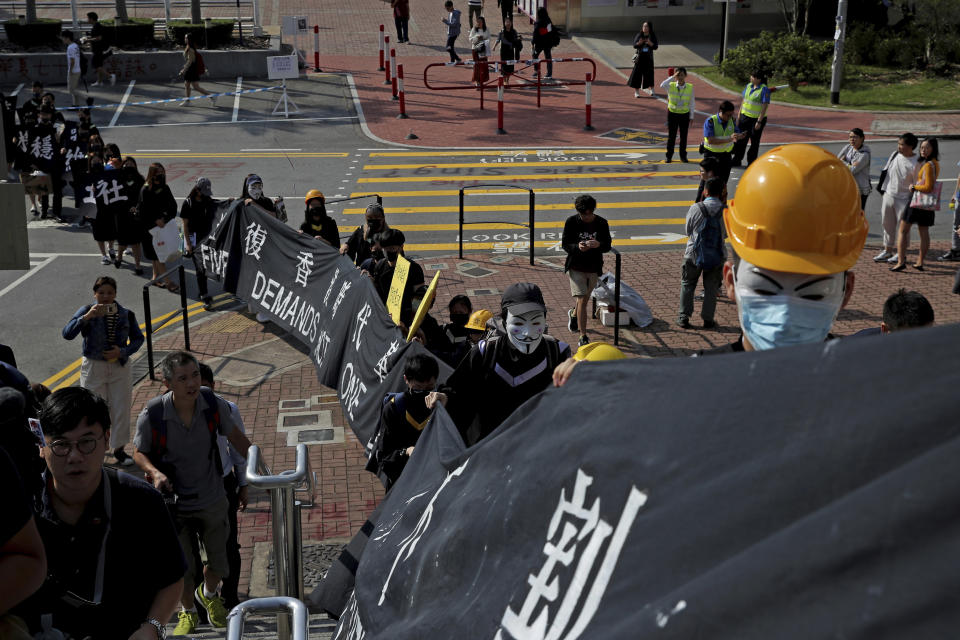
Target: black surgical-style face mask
375,225
392,255
96,167
459,319
160,180
318,212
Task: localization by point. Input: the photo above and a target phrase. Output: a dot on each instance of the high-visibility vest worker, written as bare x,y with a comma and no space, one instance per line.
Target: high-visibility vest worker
720,130
752,104
678,98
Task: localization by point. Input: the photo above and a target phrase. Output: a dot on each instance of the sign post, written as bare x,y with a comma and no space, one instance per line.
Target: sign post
281,68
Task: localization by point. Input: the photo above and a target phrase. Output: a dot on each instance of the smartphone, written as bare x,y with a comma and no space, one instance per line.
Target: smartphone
112,307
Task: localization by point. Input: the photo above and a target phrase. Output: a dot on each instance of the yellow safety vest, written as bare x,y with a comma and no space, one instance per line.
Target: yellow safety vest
720,131
678,99
752,106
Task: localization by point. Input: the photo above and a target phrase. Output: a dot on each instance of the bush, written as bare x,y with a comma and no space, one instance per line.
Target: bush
217,35
136,31
43,31
788,57
867,44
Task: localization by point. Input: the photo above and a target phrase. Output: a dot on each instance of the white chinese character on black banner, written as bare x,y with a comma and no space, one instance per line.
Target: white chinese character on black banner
333,280
320,349
255,238
304,266
362,319
576,534
42,147
343,292
380,370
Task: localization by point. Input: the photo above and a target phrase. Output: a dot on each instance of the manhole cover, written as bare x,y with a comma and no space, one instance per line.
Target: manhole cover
299,419
315,435
476,272
316,558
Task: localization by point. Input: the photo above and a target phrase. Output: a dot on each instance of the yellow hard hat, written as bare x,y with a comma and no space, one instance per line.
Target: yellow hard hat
797,209
313,194
478,320
598,351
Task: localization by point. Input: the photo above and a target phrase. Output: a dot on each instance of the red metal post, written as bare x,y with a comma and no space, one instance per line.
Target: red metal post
386,67
500,129
537,68
586,98
403,102
382,46
393,71
316,47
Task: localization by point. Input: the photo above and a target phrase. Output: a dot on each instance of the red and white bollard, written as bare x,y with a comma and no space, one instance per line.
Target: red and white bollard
386,67
382,46
403,103
500,130
316,47
586,98
536,71
393,72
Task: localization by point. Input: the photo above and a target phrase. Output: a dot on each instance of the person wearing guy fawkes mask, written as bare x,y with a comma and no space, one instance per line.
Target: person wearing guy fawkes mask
402,418
316,222
362,246
796,228
501,373
253,194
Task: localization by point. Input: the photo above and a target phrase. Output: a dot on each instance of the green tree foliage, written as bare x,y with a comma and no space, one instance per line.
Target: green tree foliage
789,58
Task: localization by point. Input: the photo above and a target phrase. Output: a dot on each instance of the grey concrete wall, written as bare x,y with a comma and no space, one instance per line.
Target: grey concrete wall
51,68
14,248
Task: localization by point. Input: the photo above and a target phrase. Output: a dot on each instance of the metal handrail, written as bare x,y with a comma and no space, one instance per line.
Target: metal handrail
280,604
285,512
616,300
530,220
147,317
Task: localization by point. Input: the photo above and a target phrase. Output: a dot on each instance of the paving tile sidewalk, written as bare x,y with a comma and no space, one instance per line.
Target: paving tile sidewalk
345,494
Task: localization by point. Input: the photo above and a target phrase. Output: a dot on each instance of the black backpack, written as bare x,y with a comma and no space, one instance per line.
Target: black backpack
708,247
158,432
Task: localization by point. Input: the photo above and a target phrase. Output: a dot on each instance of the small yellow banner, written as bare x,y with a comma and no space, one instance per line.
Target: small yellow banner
424,306
397,286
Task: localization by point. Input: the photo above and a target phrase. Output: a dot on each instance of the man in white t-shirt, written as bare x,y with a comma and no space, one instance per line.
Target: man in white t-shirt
901,173
73,66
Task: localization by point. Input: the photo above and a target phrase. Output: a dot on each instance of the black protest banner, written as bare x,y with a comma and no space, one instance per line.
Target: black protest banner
819,504
319,296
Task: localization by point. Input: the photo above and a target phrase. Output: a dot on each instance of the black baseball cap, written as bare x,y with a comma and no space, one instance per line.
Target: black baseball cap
523,297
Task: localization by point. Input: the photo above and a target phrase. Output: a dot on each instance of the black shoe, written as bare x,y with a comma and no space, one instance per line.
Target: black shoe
583,341
668,160
572,324
683,323
118,262
138,271
710,324
207,302
899,267
949,256
683,159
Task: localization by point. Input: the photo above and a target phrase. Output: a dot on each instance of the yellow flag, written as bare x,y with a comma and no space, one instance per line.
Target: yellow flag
424,306
397,287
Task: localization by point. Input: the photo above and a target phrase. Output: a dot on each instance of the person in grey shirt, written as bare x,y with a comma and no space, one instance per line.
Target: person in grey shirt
176,447
703,256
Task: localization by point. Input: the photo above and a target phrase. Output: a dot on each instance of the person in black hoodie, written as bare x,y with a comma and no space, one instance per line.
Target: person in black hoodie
316,222
197,213
586,237
361,246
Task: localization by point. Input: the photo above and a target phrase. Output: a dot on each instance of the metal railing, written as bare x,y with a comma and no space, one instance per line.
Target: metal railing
147,318
296,610
616,299
530,221
285,513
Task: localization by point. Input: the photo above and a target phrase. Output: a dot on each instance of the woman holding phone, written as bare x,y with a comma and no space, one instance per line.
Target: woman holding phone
110,336
644,43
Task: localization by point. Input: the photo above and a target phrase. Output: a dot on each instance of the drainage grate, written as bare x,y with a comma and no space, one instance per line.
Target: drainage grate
476,272
290,405
315,435
317,558
140,369
299,419
483,292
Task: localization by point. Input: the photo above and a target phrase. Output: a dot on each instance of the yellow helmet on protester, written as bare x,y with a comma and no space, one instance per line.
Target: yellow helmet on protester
599,351
797,209
478,320
312,195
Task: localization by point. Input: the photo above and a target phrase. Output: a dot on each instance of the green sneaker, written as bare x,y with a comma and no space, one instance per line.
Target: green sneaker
216,612
187,622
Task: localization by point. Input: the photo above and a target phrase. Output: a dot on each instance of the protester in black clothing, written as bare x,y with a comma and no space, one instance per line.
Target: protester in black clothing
23,562
459,309
506,10
43,149
156,203
197,213
32,104
586,237
510,44
103,189
361,246
316,222
100,47
253,194
93,521
391,241
501,373
129,227
402,418
50,100
545,37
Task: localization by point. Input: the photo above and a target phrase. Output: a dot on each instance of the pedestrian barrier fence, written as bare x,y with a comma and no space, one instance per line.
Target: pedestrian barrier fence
114,105
530,219
295,609
382,46
287,537
147,315
316,48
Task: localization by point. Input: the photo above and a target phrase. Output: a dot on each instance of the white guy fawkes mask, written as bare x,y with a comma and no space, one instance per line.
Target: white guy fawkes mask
526,330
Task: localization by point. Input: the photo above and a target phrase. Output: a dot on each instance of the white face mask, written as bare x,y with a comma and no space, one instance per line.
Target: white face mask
526,331
255,191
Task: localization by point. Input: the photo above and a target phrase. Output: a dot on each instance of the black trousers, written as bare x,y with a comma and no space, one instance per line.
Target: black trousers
402,24
754,132
229,589
56,190
450,48
200,270
723,163
675,122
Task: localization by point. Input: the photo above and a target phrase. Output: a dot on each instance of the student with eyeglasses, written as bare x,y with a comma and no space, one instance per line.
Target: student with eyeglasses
114,564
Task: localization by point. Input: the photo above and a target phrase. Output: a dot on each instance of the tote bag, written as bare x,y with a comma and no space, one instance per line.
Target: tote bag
928,201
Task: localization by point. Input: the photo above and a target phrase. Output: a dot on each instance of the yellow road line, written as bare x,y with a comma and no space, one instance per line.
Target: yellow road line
517,192
563,206
453,246
68,382
535,176
70,367
256,154
513,165
510,153
553,224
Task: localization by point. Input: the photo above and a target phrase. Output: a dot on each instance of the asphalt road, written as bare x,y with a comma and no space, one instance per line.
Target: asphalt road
323,146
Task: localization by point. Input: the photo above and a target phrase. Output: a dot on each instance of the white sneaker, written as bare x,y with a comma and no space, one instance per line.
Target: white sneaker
113,78
183,103
104,260
97,84
883,255
213,101
894,259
